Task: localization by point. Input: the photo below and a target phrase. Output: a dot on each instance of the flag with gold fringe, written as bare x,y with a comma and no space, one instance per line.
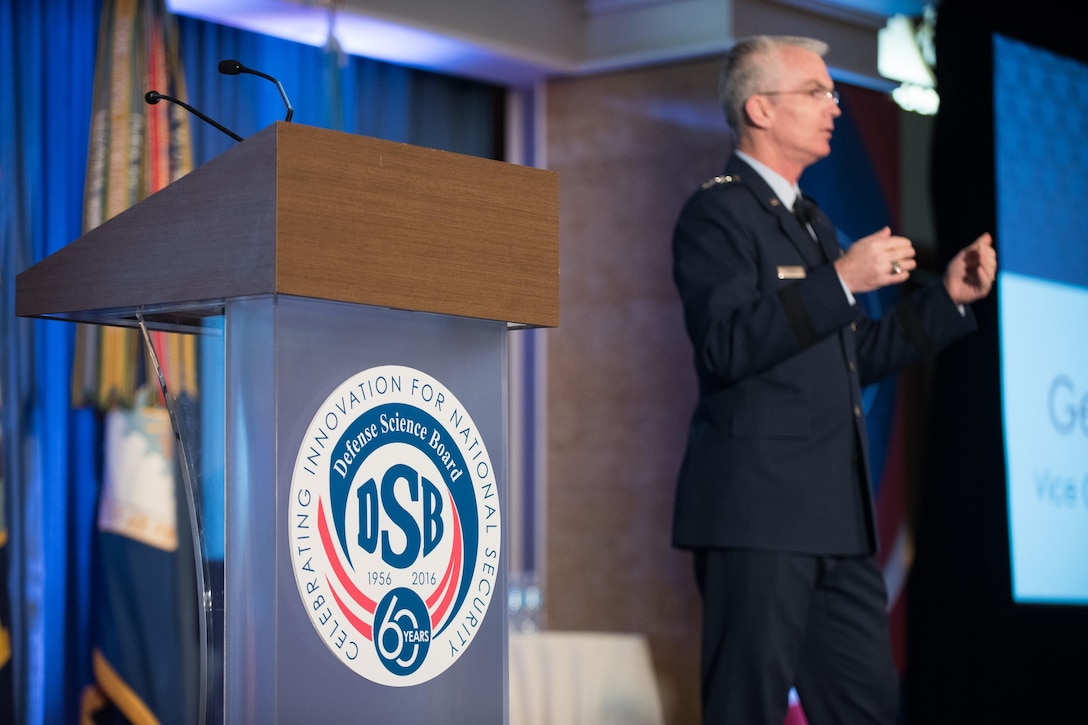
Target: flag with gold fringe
145,603
135,150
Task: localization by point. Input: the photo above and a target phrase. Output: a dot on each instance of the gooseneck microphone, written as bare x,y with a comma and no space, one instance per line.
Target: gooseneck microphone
233,68
153,97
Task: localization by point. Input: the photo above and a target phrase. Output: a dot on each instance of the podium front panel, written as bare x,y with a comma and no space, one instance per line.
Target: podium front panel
376,437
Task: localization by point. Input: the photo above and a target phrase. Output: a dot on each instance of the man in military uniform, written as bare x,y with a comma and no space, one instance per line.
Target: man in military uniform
774,492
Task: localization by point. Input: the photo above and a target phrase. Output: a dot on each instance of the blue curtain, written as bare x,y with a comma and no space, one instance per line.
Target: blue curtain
50,452
47,51
360,96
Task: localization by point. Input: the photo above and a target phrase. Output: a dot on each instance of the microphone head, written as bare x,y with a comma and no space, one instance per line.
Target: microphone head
230,67
152,97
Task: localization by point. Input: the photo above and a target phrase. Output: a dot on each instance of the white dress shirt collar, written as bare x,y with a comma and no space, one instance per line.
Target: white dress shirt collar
786,192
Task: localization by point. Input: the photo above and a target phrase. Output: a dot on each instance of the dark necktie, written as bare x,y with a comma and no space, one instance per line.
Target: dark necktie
805,211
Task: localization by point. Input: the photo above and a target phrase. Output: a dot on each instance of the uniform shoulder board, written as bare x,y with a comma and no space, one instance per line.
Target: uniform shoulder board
720,181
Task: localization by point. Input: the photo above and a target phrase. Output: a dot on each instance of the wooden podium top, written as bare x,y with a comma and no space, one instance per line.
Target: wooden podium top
303,211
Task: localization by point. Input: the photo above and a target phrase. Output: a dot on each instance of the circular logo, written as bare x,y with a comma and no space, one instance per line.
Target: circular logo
394,525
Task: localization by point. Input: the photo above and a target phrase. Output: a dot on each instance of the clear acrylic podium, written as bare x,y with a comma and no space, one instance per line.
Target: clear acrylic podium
302,257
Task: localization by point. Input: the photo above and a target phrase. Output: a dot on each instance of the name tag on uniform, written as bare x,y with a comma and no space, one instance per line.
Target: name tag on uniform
791,272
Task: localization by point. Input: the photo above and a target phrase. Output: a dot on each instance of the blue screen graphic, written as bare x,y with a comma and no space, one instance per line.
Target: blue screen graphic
1041,164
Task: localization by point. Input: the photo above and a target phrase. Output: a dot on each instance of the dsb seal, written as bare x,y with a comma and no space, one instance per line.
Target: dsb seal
394,525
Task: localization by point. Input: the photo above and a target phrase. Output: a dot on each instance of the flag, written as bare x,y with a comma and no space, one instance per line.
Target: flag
145,602
135,150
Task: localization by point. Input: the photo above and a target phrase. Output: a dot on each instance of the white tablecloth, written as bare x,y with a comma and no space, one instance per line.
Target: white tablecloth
582,678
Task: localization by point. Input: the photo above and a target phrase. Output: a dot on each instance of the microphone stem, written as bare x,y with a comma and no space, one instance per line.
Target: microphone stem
279,86
213,122
201,116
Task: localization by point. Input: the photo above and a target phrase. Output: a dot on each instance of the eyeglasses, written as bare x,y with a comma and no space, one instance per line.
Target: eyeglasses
816,94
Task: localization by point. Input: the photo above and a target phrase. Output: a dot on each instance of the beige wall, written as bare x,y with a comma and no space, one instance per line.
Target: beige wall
629,148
